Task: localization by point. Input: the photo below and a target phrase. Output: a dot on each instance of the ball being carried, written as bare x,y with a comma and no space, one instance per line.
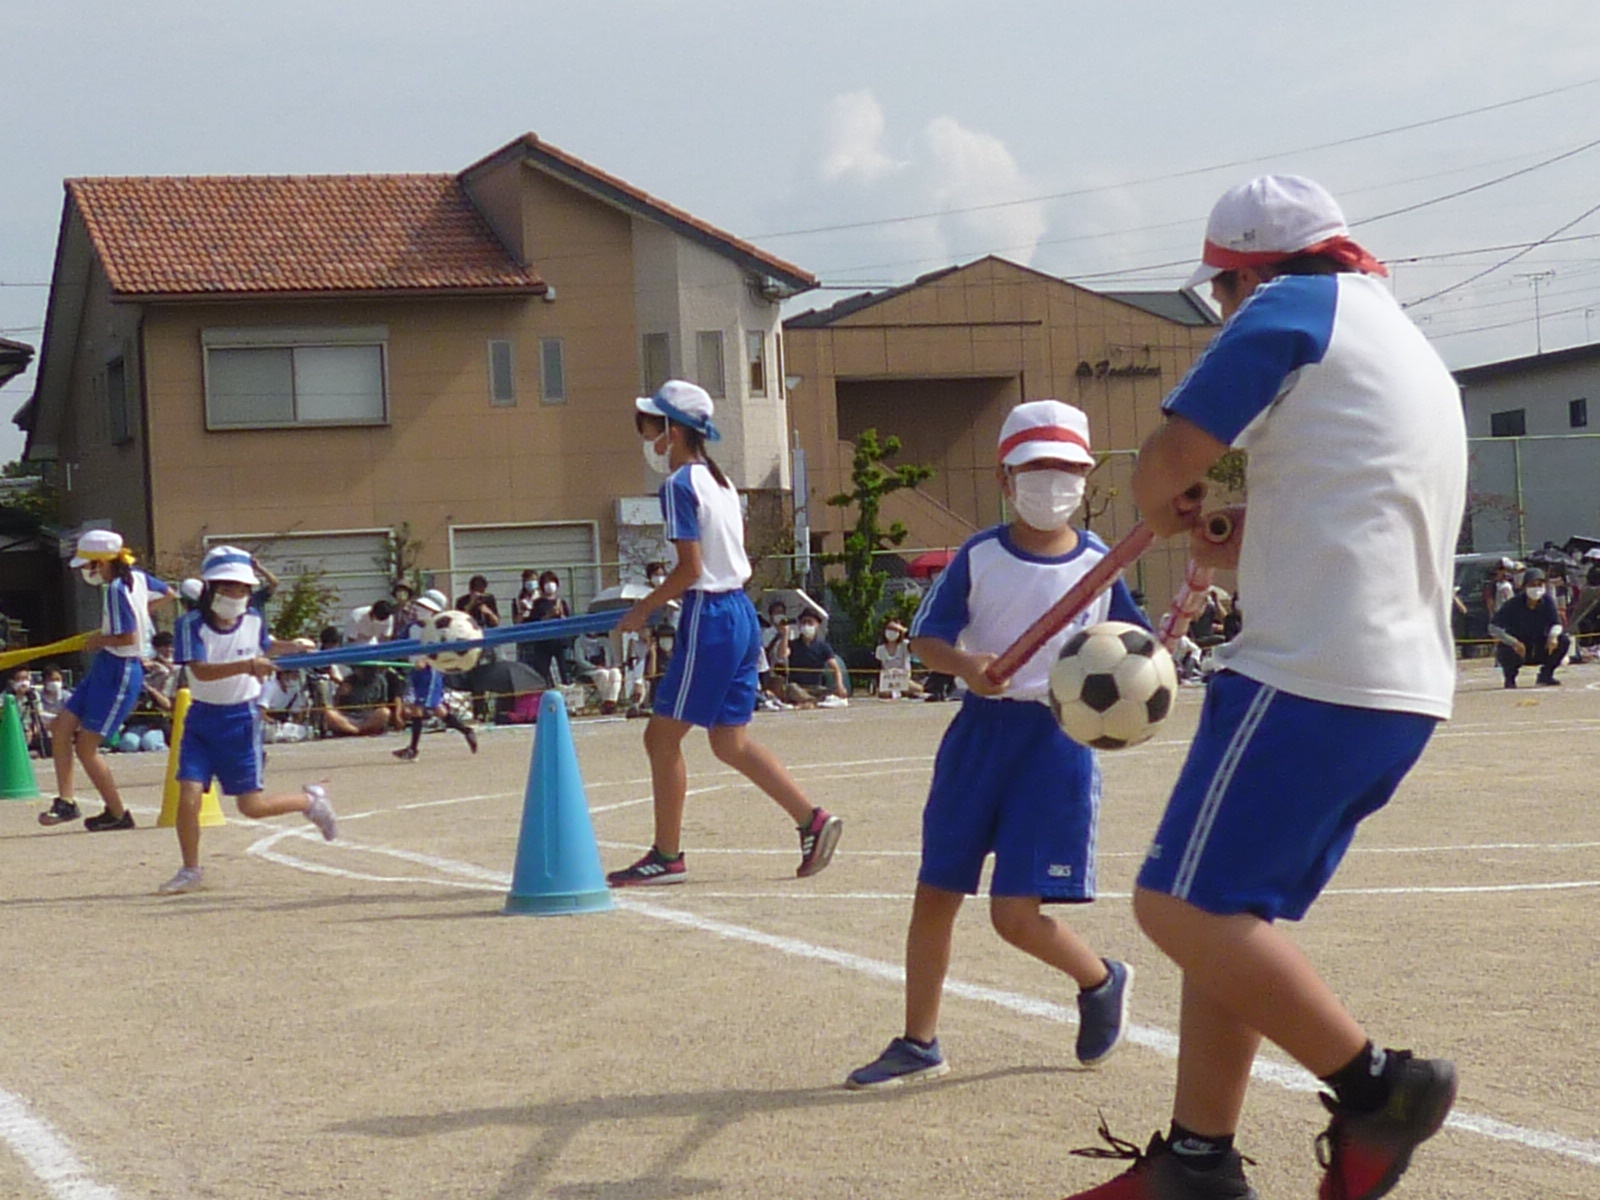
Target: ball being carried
1112,686
451,626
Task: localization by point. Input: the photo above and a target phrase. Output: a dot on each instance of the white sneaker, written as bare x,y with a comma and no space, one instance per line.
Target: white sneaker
319,812
188,879
833,702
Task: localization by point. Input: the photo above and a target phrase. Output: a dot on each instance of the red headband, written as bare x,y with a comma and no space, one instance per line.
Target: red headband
1043,433
1341,249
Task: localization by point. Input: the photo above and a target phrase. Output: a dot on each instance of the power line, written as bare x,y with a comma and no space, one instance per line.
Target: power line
1504,262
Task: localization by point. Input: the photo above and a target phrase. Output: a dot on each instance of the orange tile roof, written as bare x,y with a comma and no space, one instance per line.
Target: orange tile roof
270,234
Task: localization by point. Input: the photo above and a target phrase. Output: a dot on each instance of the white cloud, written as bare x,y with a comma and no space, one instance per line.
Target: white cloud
973,171
854,140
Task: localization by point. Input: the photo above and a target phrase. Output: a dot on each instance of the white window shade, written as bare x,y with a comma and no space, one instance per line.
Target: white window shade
250,387
340,385
276,377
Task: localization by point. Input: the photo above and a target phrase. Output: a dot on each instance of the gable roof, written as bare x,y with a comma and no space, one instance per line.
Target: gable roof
1529,364
621,194
212,236
1182,306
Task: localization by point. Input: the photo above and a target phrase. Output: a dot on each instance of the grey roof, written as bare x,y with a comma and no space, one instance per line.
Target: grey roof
1182,306
1531,362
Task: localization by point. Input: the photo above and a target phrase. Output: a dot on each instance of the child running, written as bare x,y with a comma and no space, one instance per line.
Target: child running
101,703
1006,780
228,651
424,694
712,679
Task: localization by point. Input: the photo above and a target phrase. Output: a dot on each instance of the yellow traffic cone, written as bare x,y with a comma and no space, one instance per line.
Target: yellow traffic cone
211,802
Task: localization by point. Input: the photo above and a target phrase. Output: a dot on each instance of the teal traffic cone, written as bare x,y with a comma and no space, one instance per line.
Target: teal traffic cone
17,780
558,863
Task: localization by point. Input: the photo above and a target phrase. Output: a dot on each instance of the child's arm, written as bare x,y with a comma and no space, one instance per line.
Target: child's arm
282,646
260,666
104,641
679,580
941,656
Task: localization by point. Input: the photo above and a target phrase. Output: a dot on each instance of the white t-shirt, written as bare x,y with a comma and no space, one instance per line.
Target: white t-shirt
125,608
195,641
364,628
696,508
1357,476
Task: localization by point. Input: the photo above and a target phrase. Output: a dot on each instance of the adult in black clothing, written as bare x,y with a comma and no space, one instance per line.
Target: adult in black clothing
550,658
1528,628
813,668
479,604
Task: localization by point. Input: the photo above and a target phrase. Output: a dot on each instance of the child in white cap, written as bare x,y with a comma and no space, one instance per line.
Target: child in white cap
225,645
101,703
424,694
1007,781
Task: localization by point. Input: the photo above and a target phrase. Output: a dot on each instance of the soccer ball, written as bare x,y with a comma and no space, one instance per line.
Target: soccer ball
1112,686
451,626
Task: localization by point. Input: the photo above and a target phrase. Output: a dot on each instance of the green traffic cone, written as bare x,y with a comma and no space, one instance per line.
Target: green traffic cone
17,781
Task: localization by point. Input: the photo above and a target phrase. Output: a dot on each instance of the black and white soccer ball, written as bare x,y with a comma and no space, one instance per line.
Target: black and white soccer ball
451,626
1112,686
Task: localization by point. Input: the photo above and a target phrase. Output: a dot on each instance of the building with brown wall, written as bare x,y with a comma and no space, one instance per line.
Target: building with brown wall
939,362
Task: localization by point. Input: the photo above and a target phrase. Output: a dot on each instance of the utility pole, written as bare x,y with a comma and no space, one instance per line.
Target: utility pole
1537,278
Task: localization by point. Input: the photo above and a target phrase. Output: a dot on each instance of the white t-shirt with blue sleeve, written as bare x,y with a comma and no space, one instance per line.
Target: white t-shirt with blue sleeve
696,508
126,609
1357,482
993,591
193,640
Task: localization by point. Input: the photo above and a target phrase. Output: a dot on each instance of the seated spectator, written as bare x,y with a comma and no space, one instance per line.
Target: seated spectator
815,678
479,603
162,676
53,694
894,664
323,681
371,623
655,574
1233,618
286,708
592,663
362,705
1529,631
655,649
31,709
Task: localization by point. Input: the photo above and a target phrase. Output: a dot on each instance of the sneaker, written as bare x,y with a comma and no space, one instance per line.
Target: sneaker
653,868
818,837
1103,1015
833,702
105,821
1363,1155
406,754
188,879
1159,1174
60,812
903,1062
1543,681
319,812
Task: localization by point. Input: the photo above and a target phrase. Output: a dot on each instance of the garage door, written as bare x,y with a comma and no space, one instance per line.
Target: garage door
502,552
350,561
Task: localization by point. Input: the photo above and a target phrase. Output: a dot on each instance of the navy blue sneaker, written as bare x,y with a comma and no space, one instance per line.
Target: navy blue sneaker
1103,1015
903,1062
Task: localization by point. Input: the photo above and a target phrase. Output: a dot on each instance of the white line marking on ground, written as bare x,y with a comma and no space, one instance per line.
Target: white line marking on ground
46,1153
1161,1041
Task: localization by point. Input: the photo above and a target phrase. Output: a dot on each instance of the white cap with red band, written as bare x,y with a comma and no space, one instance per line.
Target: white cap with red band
1274,218
1045,429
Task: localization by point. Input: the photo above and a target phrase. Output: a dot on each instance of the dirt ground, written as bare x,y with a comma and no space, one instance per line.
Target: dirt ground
360,1020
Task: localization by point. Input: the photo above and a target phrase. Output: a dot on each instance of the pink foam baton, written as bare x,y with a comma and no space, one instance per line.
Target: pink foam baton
1190,600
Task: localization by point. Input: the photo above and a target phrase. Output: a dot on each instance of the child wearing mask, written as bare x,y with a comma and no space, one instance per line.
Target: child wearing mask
227,651
424,695
101,703
894,664
1007,780
712,678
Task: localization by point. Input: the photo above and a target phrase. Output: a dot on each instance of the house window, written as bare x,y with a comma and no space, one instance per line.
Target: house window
1578,413
1512,423
756,356
116,385
553,370
276,378
657,361
708,361
502,374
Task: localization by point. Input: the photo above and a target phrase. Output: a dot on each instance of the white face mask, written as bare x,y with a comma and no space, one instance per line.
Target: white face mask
229,608
808,631
1536,592
52,690
550,589
1047,499
659,461
91,575
891,635
657,580
665,644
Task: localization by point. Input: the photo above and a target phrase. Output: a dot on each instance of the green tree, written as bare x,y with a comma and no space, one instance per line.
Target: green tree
41,500
860,591
303,609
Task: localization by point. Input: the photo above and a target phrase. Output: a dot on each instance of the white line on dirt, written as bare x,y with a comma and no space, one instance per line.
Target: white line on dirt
1163,1042
46,1153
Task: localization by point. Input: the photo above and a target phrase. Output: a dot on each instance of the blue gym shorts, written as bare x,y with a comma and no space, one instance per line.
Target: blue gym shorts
108,693
1271,794
425,688
1007,780
712,677
222,741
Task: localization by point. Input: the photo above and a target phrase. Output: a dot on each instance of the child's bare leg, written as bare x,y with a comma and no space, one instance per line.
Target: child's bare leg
259,807
190,794
1215,1050
99,771
734,746
1249,968
65,732
933,918
1019,921
669,780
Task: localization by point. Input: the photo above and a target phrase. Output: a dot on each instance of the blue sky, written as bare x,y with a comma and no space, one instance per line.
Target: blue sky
1084,139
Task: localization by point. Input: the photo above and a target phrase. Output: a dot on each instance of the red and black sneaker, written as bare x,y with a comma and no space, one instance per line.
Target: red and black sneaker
653,868
1159,1174
818,837
1363,1155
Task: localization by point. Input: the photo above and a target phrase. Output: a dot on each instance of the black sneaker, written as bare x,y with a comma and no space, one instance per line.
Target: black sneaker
653,868
1363,1155
1547,681
60,812
1159,1174
106,821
